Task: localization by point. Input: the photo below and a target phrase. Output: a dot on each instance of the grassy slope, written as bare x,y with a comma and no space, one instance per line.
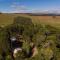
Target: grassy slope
6,19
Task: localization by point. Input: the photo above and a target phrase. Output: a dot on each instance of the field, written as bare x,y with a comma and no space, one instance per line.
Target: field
47,20
42,37
6,19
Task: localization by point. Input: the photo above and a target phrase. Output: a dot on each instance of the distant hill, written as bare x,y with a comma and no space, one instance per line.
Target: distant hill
43,14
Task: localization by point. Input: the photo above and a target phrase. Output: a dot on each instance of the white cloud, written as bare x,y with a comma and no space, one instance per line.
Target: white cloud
47,11
17,8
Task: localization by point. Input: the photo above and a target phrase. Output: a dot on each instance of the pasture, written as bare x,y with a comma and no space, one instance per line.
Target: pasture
6,19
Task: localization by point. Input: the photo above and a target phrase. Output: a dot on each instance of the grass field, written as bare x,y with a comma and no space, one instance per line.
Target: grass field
41,35
6,19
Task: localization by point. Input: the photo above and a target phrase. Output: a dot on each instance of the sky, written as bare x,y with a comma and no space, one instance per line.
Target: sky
28,6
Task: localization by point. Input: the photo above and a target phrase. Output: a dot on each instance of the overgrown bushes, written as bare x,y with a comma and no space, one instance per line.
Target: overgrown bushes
36,33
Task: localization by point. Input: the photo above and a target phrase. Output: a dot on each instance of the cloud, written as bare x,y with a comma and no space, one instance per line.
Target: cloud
17,7
46,11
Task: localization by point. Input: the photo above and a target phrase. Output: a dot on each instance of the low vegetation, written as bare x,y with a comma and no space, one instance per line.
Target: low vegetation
40,42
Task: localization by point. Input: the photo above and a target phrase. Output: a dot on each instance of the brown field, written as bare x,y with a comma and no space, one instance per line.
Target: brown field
6,19
54,21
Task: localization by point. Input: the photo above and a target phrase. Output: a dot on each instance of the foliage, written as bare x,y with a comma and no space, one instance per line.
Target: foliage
36,33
